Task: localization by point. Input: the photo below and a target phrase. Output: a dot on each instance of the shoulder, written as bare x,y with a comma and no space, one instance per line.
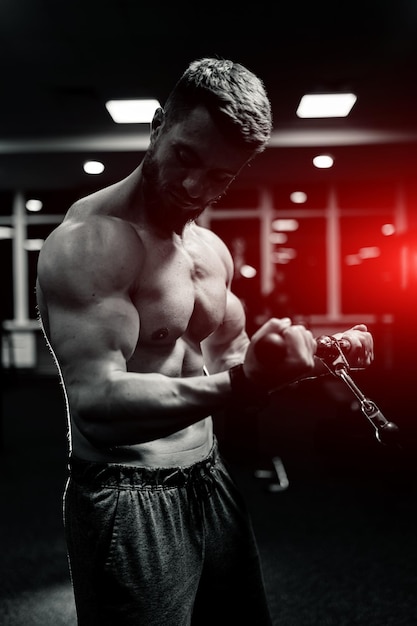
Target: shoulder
93,237
96,249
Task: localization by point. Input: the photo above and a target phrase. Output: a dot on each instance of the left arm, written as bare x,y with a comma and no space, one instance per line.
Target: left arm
227,346
229,343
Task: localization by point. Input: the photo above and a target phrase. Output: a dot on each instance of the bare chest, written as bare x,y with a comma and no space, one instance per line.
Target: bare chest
181,293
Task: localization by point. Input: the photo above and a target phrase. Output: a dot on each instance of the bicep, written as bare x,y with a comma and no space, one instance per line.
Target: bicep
228,344
89,339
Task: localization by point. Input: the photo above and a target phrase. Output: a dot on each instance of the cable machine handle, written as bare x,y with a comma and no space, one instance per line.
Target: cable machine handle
330,351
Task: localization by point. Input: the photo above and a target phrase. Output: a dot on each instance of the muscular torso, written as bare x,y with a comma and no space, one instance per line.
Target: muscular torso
178,298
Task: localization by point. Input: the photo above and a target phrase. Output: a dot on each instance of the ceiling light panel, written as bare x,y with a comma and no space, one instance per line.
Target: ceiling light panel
132,111
326,105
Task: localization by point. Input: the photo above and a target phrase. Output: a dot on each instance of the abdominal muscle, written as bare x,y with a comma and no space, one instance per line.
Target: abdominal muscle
183,448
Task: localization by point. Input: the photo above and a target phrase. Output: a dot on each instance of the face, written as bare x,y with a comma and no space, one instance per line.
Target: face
187,167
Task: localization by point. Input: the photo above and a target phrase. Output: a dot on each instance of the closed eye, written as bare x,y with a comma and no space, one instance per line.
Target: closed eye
186,157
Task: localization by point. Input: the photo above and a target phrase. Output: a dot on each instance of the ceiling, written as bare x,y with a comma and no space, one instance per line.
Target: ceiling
60,62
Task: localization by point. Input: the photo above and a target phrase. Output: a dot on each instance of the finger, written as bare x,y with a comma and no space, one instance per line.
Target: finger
362,327
300,331
270,348
273,325
299,337
278,325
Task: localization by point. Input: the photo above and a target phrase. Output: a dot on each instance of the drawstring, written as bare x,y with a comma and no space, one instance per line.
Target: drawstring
201,481
198,480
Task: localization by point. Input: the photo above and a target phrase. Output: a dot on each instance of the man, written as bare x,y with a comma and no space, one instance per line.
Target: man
136,303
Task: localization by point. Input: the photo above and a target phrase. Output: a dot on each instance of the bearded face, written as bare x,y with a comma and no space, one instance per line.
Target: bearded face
187,167
165,202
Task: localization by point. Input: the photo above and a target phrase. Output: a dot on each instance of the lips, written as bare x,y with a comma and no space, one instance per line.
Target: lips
181,202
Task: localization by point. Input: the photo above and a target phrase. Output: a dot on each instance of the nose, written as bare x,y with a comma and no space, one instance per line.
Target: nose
194,185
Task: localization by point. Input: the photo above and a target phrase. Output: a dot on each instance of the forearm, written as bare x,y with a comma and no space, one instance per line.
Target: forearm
221,357
131,408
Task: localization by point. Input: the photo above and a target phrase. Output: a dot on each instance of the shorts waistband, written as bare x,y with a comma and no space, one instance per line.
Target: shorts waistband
119,475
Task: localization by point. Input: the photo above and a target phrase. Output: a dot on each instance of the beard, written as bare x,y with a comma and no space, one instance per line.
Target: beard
163,209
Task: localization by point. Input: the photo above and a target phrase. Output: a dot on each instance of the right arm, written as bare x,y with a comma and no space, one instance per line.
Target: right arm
93,329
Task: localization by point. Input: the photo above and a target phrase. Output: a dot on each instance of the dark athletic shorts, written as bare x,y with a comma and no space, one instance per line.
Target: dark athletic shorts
161,547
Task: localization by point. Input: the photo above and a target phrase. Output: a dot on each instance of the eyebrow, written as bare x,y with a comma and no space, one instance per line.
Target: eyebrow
198,159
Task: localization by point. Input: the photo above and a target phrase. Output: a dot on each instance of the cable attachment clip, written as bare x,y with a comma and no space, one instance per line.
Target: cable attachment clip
329,350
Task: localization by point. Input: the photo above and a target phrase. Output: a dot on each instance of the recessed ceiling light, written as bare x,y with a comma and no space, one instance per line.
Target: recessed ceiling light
132,111
247,271
326,105
93,167
388,229
323,161
34,205
298,197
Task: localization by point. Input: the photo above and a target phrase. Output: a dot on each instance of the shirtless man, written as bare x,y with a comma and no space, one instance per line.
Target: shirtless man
136,304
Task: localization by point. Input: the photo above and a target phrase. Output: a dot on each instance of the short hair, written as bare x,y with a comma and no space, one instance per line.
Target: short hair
234,96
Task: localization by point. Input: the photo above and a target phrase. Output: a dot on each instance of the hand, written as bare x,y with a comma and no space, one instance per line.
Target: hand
361,346
279,353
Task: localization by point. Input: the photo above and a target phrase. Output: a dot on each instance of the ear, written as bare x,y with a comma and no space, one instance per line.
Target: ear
158,118
156,124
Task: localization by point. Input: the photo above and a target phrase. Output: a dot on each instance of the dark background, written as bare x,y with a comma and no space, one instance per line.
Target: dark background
339,544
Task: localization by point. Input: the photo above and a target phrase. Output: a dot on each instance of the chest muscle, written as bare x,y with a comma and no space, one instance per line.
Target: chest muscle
181,295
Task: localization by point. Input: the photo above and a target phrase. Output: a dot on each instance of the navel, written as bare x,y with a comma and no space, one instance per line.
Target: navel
161,333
